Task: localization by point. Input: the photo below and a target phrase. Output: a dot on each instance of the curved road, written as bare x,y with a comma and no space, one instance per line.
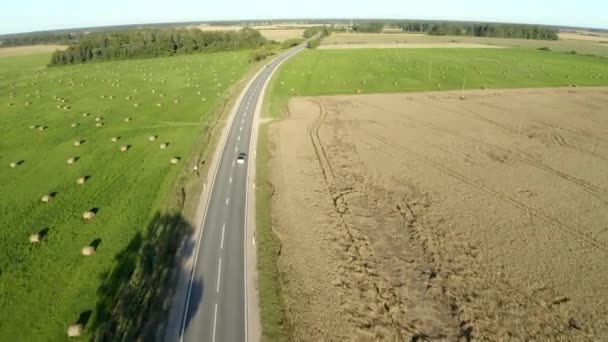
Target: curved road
215,307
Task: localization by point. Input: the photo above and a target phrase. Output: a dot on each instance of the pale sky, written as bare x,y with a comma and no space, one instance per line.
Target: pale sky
37,15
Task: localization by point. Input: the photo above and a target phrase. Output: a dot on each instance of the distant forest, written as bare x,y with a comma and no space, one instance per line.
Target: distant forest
465,29
103,46
40,38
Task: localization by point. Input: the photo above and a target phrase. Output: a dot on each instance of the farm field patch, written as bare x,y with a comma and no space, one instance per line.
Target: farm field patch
425,214
325,72
89,154
580,46
282,35
29,50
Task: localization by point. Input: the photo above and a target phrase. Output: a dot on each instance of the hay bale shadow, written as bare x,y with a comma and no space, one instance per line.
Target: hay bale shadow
132,298
43,233
84,318
95,243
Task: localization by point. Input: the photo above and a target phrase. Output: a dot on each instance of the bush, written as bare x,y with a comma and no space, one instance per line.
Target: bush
313,43
291,43
260,53
544,48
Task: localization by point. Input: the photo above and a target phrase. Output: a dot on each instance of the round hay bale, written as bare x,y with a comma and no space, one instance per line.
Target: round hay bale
75,330
127,119
162,95
13,164
152,138
74,124
35,238
77,143
204,99
163,146
136,105
174,160
98,119
88,250
84,115
41,128
99,124
33,126
128,98
176,101
46,198
124,148
115,139
81,180
159,105
358,91
71,161
88,215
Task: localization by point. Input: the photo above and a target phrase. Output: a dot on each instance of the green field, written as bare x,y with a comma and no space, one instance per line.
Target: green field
329,72
45,287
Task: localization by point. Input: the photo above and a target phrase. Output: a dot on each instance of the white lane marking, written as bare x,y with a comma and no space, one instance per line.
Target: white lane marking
233,163
214,321
236,149
254,240
219,276
238,138
222,243
242,120
230,180
227,200
240,128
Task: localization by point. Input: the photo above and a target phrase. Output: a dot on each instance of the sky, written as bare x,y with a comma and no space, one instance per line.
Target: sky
29,15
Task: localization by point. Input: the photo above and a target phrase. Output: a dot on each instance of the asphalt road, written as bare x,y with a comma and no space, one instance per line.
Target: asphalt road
216,302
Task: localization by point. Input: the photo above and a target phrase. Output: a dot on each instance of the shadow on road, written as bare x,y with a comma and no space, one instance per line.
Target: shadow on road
134,297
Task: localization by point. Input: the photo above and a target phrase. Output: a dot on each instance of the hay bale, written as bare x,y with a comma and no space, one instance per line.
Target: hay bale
159,105
98,119
152,138
41,128
35,238
78,143
74,124
174,160
88,215
358,91
99,124
124,148
84,115
136,105
46,198
14,164
115,139
176,101
127,119
88,250
33,126
163,146
75,330
81,180
71,161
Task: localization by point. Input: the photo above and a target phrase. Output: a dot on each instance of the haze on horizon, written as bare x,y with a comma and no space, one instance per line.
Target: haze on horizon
37,15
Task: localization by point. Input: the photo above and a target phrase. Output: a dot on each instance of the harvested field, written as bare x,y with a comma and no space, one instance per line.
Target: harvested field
586,36
282,35
580,46
29,50
424,216
410,46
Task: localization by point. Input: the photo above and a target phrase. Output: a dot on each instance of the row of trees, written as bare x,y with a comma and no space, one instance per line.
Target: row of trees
147,43
40,38
324,31
480,30
374,27
494,30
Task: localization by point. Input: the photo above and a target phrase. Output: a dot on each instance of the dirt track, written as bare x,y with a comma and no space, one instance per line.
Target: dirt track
424,215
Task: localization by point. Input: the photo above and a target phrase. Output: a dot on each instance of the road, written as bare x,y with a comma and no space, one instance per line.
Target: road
215,307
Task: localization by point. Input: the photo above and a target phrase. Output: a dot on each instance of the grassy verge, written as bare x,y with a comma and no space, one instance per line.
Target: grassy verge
274,320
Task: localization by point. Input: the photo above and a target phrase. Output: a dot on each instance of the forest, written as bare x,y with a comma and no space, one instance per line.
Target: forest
481,30
103,46
40,38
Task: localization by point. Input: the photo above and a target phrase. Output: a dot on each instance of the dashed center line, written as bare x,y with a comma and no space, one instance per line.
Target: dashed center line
227,200
230,180
222,243
219,274
238,138
240,128
214,321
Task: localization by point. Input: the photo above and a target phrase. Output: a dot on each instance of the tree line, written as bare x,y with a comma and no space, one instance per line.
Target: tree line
103,46
323,31
39,38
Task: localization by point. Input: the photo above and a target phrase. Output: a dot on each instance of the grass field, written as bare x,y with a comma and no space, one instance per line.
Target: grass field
580,46
45,287
327,72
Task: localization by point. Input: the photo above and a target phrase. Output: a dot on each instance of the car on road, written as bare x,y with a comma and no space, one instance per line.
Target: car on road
241,158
